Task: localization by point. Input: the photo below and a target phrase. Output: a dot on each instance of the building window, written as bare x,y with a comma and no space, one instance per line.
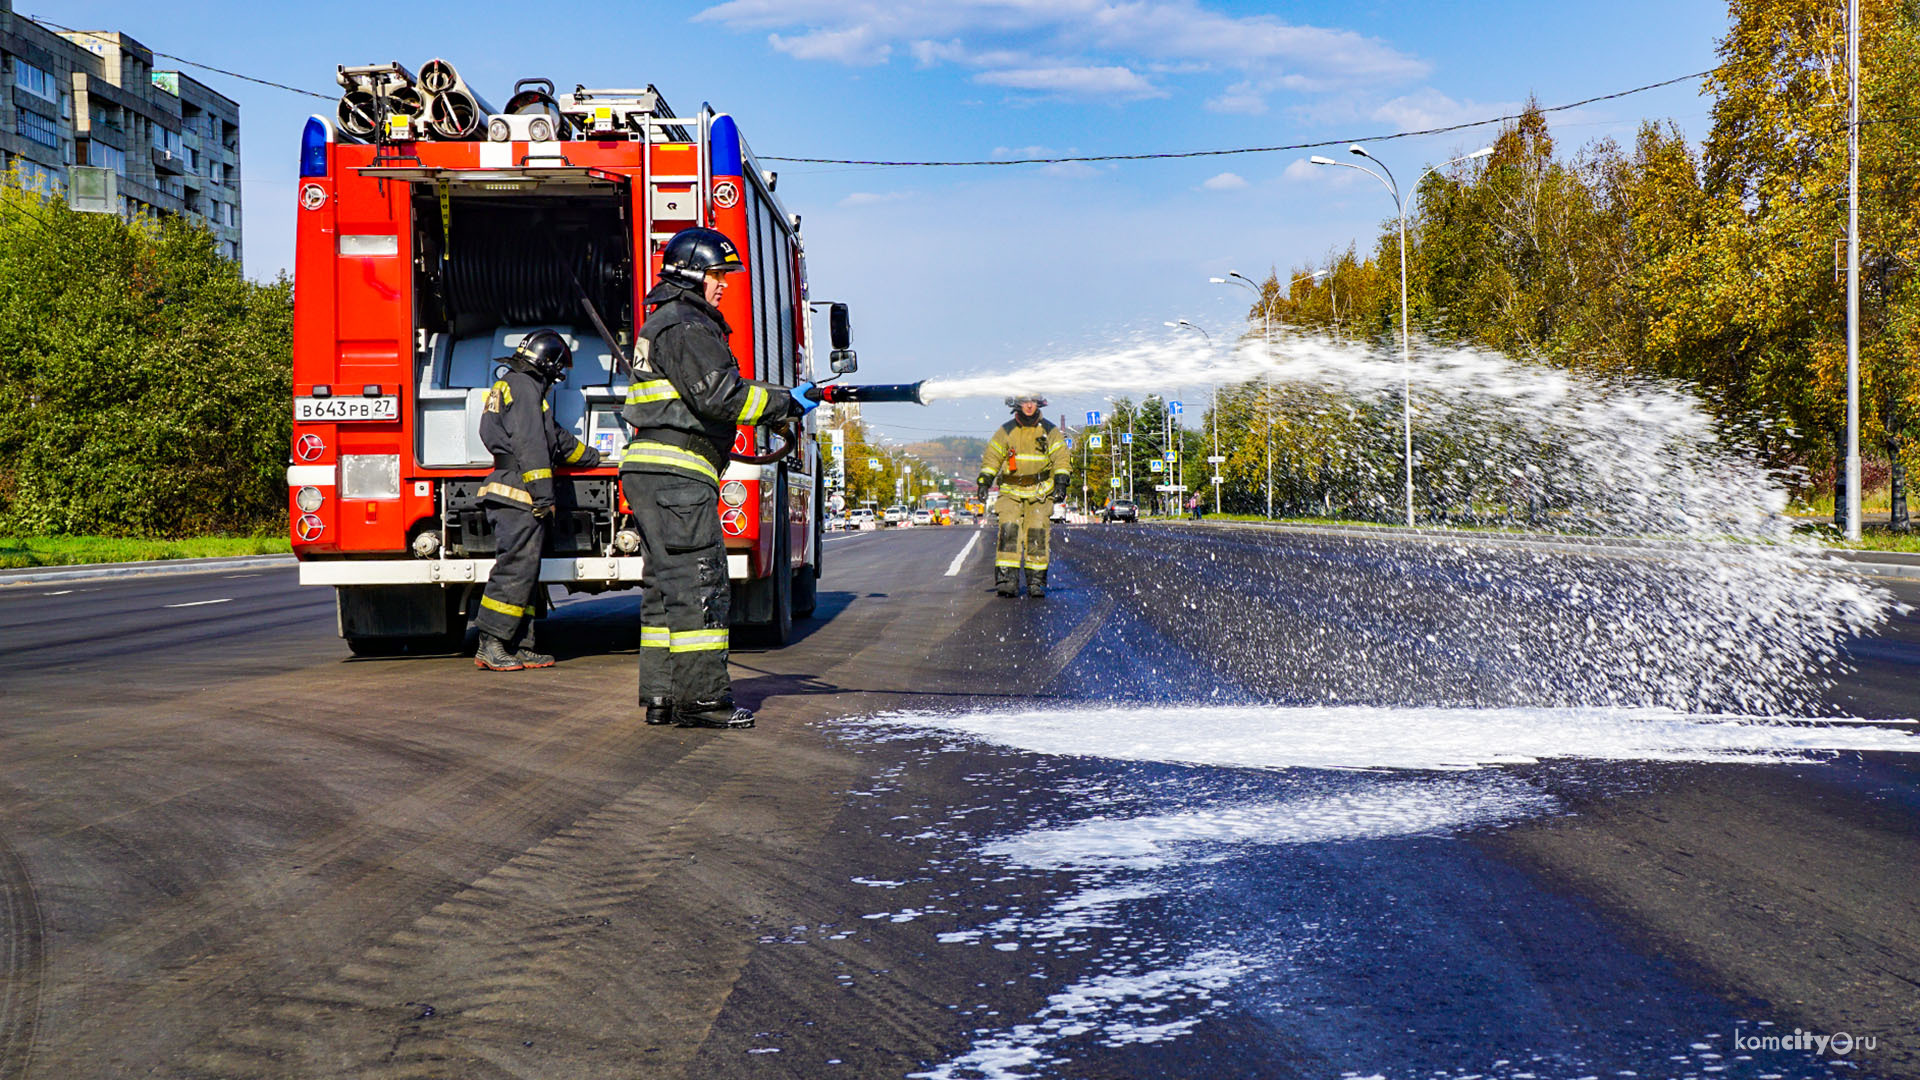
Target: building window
38,128
37,177
217,172
102,156
169,141
35,81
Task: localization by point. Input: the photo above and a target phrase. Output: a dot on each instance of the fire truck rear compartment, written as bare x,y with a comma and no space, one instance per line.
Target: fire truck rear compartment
491,267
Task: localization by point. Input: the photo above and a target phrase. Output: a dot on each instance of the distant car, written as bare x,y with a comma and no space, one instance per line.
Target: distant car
894,515
920,517
1059,513
861,519
1119,510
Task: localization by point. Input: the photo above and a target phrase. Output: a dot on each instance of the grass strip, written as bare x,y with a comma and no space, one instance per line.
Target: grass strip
30,551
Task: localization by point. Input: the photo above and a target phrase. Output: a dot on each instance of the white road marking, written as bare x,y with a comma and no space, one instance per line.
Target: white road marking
973,540
62,592
198,603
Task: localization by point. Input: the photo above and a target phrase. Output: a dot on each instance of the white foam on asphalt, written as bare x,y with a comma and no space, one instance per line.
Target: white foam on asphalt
1361,737
1373,811
1366,785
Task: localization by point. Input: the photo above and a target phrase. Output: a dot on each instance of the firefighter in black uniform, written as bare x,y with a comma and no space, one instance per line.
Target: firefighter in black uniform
518,427
686,399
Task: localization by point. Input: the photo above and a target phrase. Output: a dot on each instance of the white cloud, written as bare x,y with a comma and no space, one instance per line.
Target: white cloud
854,45
1300,170
1101,83
1429,108
1226,181
871,198
1082,48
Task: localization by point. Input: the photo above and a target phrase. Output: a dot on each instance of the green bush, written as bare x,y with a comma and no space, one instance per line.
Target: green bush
144,383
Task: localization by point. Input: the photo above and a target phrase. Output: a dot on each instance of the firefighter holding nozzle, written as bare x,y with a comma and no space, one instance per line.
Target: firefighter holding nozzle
519,429
686,399
1028,457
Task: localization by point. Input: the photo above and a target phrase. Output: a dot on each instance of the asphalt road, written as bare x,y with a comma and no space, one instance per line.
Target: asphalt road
227,849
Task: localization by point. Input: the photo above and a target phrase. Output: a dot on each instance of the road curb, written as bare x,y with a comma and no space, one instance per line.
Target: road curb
1886,566
40,575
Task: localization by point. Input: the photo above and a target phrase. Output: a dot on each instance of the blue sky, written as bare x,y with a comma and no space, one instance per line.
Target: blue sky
969,270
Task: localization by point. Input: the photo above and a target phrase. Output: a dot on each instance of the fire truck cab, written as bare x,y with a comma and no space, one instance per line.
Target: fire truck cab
421,262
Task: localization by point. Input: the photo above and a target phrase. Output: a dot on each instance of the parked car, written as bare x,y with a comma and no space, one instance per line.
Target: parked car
1118,510
861,518
920,517
894,515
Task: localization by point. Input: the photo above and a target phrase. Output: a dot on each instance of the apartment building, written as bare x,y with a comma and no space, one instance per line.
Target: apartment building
79,100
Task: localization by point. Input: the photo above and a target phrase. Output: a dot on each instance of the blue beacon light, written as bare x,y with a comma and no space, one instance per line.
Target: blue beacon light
313,147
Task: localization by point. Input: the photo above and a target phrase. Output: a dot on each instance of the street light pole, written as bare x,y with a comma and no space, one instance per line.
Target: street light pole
1235,277
1213,393
1406,330
1853,270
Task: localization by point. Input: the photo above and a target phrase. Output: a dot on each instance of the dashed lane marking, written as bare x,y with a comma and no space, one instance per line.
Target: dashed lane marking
200,603
972,541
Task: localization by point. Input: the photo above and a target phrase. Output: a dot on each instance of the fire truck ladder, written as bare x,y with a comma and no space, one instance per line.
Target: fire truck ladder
675,202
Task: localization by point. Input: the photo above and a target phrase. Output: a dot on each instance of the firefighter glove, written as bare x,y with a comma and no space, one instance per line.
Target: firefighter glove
807,397
1060,483
986,482
543,511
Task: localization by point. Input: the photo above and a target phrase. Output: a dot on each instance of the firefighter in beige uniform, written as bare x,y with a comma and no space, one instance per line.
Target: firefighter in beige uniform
1028,456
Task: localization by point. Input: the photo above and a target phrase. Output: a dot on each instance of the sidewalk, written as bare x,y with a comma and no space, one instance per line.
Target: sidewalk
1894,565
40,575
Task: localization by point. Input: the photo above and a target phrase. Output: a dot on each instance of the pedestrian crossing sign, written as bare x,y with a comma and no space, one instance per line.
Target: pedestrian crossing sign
1157,466
1095,442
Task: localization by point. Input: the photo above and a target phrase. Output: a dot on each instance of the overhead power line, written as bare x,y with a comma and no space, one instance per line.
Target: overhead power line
1064,160
1240,149
195,63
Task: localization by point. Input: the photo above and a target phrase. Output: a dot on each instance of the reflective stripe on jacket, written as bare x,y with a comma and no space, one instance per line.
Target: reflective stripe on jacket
687,396
519,430
1025,457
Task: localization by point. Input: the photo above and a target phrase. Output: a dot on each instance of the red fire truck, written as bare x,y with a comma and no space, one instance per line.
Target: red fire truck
422,261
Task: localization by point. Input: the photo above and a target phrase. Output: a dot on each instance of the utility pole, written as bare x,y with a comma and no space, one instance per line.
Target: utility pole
1853,270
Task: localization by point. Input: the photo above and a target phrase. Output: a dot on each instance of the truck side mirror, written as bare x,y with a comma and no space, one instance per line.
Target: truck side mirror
839,330
843,361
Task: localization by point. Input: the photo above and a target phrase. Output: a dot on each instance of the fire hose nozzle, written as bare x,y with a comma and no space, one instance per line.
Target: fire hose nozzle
889,393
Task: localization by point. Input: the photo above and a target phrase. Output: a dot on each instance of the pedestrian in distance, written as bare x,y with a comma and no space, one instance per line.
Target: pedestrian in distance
519,429
1028,457
684,404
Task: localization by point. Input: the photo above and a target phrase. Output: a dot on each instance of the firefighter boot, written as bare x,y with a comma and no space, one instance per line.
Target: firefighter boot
722,714
1036,582
492,655
659,710
523,652
1006,581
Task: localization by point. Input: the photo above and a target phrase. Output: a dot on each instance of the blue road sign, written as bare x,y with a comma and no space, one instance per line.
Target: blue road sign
1069,442
1175,408
1093,418
1126,438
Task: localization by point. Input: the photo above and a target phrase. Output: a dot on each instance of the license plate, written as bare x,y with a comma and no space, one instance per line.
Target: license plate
344,409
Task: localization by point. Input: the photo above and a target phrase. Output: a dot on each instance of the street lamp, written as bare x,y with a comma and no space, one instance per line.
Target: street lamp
1213,393
1406,340
1235,277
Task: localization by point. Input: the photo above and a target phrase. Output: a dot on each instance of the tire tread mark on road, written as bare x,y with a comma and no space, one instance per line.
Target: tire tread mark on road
236,934
552,947
22,964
